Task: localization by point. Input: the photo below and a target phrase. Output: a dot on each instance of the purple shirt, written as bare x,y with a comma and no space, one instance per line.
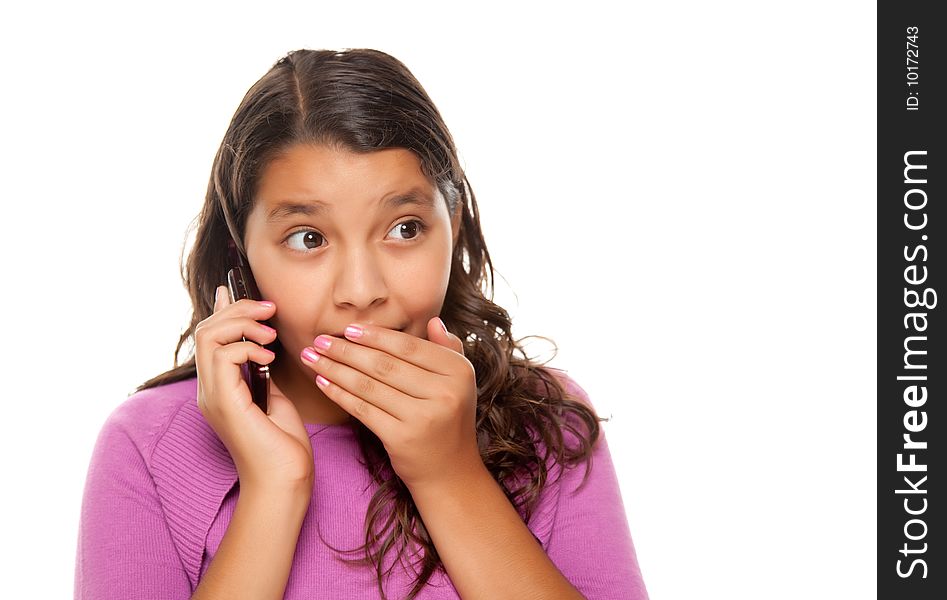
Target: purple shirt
160,493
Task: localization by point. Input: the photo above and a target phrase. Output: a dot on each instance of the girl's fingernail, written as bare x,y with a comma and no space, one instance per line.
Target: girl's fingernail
322,381
353,331
444,327
310,355
267,303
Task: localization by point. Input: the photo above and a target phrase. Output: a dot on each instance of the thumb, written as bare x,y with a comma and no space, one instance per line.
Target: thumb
437,333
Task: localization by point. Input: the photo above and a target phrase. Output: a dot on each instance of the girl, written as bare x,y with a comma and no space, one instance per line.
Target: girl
401,430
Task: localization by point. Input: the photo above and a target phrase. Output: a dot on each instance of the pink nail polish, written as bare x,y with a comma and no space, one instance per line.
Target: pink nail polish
310,354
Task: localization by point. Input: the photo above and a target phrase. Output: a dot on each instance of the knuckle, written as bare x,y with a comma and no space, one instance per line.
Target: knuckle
364,386
385,366
410,345
426,422
452,403
326,366
219,354
344,348
361,408
448,393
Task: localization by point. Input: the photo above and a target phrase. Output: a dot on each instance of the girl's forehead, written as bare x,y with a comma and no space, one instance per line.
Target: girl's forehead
324,171
320,181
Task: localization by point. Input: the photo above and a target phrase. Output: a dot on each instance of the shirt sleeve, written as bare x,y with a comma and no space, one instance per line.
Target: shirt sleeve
124,549
590,541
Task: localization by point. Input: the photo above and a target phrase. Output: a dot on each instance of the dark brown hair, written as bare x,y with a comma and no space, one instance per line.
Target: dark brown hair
364,100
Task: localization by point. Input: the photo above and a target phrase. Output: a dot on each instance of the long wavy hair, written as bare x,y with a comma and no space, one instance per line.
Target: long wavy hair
364,100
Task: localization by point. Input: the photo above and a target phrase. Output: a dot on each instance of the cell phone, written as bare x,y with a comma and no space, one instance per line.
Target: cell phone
241,284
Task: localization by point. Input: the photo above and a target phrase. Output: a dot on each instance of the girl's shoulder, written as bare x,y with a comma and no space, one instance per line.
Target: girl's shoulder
145,416
165,428
577,428
573,391
571,386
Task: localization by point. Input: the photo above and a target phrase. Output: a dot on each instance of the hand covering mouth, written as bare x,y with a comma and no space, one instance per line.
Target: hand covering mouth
341,334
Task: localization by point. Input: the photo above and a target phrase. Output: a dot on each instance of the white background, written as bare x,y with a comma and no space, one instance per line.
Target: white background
680,194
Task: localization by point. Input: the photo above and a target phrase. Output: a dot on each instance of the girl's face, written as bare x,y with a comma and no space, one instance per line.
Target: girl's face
336,237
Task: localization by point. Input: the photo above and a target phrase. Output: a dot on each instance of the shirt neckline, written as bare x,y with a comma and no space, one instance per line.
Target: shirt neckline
328,429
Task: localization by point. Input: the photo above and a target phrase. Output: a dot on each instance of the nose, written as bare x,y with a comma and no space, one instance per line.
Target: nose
359,280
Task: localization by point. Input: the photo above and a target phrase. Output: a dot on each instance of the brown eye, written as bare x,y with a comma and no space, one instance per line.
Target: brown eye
411,229
309,240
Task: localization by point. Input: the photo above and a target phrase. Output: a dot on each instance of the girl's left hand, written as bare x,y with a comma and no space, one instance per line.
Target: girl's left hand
418,396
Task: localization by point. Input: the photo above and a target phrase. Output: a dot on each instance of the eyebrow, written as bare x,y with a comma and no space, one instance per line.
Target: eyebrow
284,209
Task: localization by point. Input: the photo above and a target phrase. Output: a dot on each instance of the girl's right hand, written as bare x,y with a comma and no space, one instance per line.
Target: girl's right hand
271,452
